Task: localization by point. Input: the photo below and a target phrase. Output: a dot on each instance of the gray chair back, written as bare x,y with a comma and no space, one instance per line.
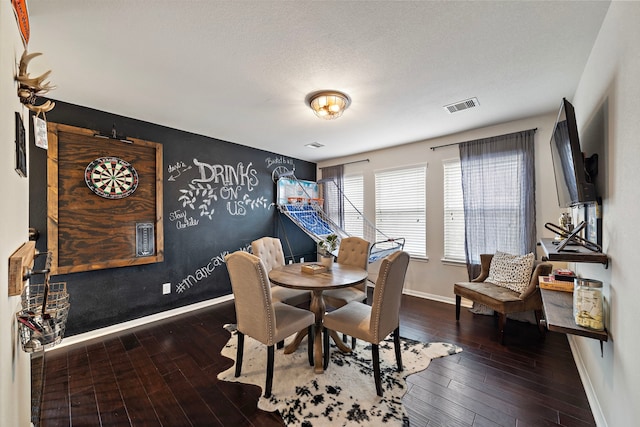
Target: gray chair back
269,250
252,293
355,251
385,309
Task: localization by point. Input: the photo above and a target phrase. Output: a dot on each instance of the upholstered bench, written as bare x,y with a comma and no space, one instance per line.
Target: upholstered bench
501,299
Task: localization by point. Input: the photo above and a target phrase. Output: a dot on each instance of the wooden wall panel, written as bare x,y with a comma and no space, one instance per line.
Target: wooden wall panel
88,232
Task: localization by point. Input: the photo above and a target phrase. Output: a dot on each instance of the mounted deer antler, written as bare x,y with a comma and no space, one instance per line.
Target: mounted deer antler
30,88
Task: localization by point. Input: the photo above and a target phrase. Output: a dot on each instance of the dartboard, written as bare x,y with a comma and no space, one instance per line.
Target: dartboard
111,177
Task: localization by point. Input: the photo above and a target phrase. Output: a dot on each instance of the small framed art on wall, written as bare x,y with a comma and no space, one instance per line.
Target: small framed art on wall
21,147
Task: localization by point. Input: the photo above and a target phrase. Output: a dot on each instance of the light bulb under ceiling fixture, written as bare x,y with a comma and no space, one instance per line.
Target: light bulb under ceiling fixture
328,105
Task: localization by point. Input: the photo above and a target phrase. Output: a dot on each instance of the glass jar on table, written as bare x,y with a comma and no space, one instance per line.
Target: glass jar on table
588,304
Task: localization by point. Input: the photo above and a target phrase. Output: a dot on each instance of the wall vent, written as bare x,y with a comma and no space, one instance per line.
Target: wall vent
462,105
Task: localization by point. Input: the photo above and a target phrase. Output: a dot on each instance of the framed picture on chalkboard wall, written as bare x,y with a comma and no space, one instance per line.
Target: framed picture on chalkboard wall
21,147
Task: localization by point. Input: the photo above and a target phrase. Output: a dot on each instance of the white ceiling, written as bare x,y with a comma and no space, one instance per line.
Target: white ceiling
240,70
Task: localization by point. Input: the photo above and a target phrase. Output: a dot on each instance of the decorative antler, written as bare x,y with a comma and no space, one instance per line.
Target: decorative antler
30,88
42,108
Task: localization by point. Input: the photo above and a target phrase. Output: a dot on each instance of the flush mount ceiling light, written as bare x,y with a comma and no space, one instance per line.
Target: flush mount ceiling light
328,105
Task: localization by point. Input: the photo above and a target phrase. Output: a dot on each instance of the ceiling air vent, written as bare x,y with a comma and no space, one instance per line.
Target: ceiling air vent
462,105
314,145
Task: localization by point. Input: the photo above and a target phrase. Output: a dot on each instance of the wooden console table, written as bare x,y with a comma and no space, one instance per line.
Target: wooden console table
558,308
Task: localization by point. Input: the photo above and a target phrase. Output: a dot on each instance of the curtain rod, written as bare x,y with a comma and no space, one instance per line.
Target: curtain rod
347,163
498,136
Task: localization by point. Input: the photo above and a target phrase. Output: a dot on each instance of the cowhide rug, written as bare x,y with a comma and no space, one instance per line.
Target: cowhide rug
345,394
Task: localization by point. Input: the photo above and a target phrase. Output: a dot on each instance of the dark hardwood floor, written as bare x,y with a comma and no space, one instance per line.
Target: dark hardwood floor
165,374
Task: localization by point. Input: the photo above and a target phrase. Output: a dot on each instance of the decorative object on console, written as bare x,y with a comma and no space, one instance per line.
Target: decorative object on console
565,222
588,304
548,282
572,238
328,105
564,275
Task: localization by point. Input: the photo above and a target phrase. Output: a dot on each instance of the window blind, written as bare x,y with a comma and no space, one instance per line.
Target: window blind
453,211
401,207
353,189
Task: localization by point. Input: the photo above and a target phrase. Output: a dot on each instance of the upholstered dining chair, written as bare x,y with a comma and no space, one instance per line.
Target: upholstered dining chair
502,299
258,316
352,251
269,250
372,323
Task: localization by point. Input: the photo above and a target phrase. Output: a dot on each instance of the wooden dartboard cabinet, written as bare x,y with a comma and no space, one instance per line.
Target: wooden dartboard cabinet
86,231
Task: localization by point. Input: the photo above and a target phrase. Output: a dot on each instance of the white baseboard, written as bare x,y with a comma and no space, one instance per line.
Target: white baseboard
75,339
447,300
592,397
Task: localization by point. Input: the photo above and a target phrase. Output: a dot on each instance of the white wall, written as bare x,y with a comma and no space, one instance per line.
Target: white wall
15,379
609,92
433,278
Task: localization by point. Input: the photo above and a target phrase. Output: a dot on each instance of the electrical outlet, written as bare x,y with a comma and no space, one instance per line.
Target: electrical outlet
166,288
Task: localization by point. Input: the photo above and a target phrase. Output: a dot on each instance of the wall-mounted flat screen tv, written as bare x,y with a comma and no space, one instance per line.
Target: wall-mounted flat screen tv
573,184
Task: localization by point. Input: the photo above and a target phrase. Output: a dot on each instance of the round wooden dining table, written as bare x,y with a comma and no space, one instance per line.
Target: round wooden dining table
340,276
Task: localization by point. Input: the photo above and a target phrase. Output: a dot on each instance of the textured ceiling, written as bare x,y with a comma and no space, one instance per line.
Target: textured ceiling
240,70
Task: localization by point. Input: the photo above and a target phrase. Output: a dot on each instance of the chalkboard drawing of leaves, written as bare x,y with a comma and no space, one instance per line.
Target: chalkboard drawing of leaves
260,202
204,194
206,209
187,199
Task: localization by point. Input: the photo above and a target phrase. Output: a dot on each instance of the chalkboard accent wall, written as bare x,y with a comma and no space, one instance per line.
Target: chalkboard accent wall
217,197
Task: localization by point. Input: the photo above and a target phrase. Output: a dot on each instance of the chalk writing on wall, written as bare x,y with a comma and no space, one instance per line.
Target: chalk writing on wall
281,166
239,207
182,220
176,169
278,160
213,183
205,271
